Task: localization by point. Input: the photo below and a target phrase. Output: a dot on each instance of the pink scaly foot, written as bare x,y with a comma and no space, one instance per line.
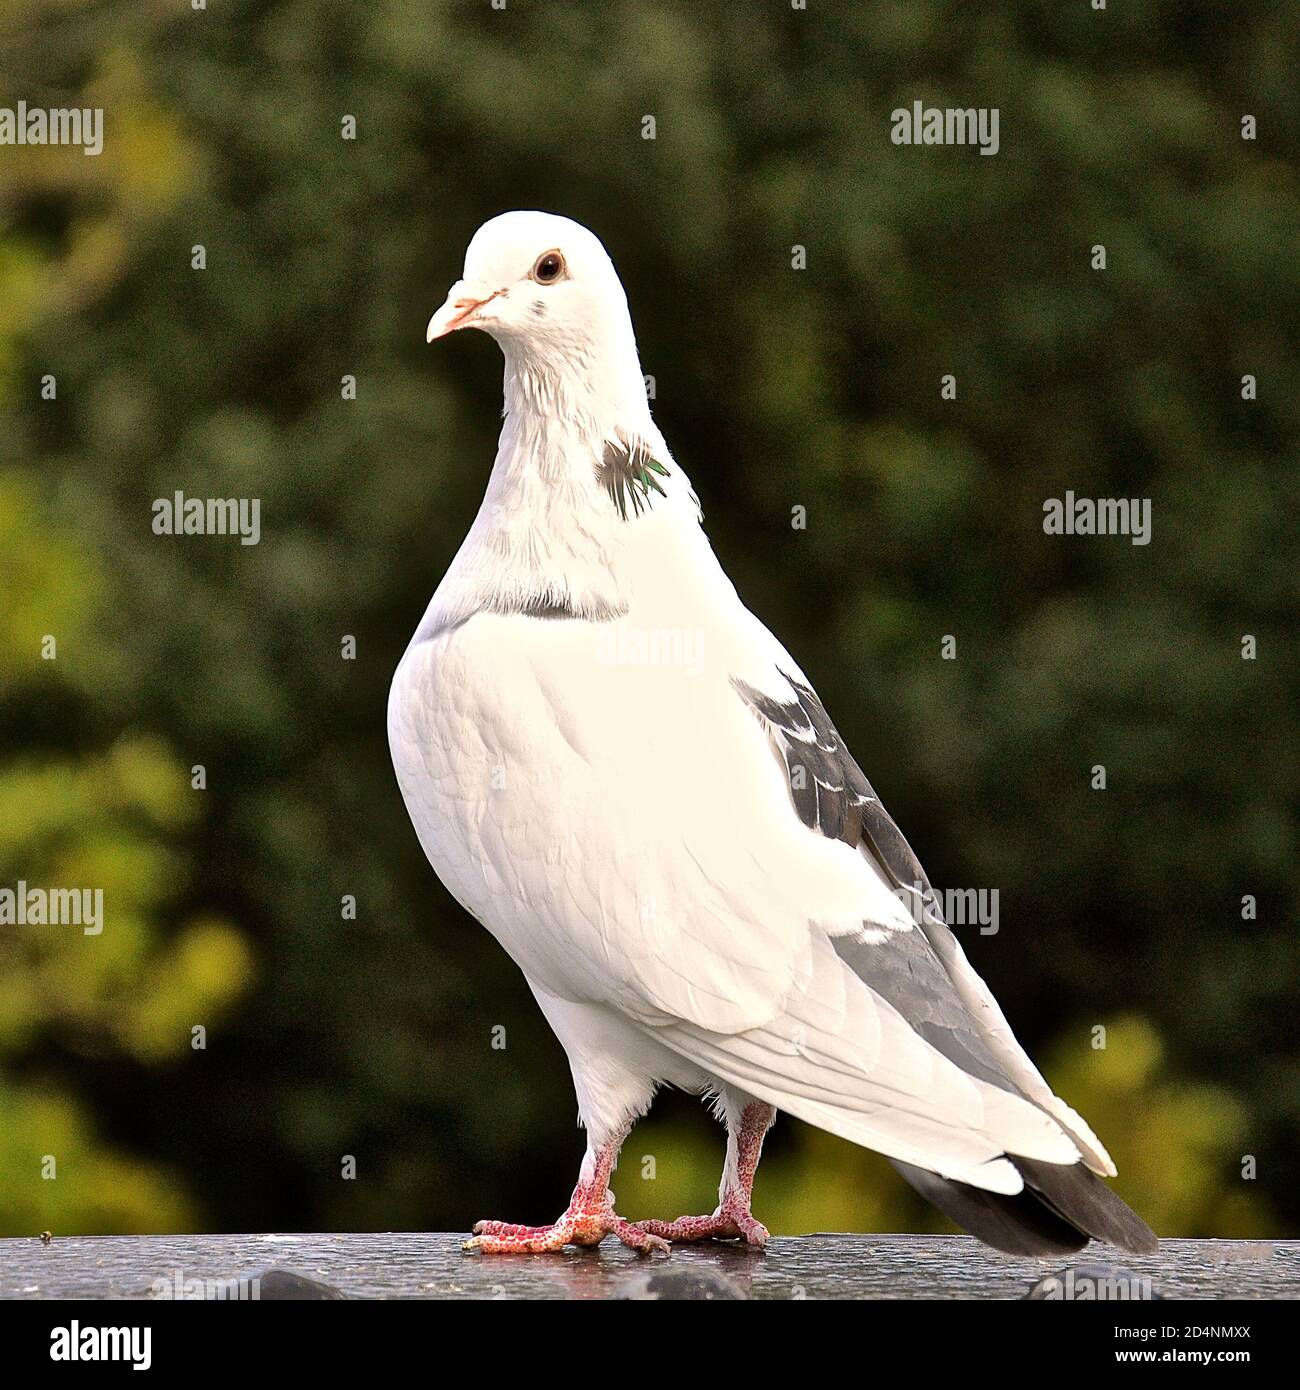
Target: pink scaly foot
733,1219
589,1219
576,1227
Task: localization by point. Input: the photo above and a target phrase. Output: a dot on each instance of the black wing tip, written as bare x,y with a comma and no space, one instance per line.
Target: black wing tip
1016,1225
1061,1208
1078,1195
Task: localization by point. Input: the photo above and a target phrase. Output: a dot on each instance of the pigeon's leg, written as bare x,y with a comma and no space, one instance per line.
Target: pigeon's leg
590,1216
748,1121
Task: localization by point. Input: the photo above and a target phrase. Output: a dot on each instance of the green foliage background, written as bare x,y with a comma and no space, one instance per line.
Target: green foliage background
776,388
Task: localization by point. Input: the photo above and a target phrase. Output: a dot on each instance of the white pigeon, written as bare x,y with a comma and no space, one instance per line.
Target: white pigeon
616,768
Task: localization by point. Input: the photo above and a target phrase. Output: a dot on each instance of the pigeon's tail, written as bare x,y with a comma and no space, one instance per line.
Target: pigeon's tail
1061,1207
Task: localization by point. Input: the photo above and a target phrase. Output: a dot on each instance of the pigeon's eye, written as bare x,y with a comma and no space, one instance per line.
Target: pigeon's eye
549,268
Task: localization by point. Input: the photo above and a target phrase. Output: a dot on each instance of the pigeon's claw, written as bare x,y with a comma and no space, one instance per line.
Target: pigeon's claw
589,1219
573,1228
732,1221
508,1228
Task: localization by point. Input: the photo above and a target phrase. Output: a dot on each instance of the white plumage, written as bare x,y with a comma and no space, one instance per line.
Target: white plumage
582,731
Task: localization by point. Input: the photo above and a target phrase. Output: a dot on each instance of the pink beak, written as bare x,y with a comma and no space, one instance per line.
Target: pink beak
464,300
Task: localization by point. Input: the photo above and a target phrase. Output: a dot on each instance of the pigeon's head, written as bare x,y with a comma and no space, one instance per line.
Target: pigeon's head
542,286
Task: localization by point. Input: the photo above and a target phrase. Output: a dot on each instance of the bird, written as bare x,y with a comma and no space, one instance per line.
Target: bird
615,767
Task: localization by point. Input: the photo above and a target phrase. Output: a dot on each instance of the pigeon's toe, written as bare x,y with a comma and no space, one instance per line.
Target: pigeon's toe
583,1228
732,1221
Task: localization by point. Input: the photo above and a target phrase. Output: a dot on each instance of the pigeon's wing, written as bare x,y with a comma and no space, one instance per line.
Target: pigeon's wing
842,1022
923,973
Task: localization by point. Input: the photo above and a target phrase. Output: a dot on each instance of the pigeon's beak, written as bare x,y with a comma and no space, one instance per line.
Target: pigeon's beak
464,300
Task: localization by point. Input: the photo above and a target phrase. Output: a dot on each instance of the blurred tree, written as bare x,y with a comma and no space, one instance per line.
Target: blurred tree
112,1001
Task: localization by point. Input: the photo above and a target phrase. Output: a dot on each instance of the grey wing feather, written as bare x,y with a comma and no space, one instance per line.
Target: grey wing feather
927,978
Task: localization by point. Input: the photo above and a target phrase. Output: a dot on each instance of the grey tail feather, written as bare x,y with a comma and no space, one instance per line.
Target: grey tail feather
1079,1195
1060,1207
1019,1225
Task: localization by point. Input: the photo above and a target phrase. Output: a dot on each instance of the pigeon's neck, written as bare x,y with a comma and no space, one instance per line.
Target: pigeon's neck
573,392
550,538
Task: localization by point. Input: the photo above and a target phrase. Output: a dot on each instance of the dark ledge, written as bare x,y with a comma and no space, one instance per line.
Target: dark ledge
818,1266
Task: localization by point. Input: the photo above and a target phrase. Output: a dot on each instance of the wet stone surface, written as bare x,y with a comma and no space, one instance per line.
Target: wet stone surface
397,1265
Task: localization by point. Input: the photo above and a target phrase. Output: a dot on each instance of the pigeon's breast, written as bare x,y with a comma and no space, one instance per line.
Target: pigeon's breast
443,718
599,797
488,776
